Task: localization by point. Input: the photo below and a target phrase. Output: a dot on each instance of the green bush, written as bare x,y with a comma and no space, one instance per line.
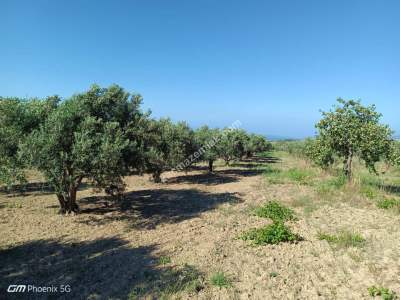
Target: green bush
274,233
275,211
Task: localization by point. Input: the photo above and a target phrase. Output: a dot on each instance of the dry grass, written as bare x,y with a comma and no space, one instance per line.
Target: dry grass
167,240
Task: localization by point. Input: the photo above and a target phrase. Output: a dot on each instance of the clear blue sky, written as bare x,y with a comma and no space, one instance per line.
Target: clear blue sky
270,64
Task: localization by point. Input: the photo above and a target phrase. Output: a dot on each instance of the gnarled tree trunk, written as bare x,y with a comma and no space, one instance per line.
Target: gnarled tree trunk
67,199
348,172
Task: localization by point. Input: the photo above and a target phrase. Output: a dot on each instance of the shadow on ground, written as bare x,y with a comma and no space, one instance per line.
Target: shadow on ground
100,269
30,188
149,208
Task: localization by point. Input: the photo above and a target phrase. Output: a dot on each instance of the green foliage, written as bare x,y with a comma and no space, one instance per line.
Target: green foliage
165,145
219,279
232,144
385,293
256,144
87,136
164,260
274,233
207,140
275,211
319,152
349,130
301,176
331,184
18,118
344,239
388,203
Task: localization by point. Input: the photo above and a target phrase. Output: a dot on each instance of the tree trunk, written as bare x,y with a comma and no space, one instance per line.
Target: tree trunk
210,165
63,205
157,176
67,201
348,165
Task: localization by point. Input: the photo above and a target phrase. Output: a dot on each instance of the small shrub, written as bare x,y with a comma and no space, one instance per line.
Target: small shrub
385,293
344,239
274,233
220,280
275,211
388,203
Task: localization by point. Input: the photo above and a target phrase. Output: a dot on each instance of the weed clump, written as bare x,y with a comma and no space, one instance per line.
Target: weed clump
385,293
274,233
220,280
275,211
344,239
388,203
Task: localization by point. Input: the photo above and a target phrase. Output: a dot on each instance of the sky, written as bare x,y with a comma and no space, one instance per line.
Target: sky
272,65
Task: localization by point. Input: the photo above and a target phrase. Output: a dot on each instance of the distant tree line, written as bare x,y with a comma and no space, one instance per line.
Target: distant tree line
100,136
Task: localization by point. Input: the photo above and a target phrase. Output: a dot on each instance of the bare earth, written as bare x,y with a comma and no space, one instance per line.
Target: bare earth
113,247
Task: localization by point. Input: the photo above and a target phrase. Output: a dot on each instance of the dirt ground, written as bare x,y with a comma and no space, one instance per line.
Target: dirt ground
114,247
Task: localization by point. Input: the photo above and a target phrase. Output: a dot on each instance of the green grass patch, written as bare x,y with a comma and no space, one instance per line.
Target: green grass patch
219,279
369,192
344,239
275,211
274,233
384,293
164,283
300,176
388,203
164,260
331,184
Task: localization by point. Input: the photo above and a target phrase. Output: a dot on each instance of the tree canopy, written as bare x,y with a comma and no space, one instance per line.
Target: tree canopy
350,130
101,135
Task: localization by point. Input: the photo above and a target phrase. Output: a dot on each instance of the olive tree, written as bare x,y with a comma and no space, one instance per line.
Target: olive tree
350,130
206,140
166,145
232,144
255,144
18,118
89,136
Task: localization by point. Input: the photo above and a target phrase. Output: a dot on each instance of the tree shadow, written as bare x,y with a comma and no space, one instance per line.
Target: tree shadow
262,159
214,178
150,208
390,188
33,188
99,269
27,189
